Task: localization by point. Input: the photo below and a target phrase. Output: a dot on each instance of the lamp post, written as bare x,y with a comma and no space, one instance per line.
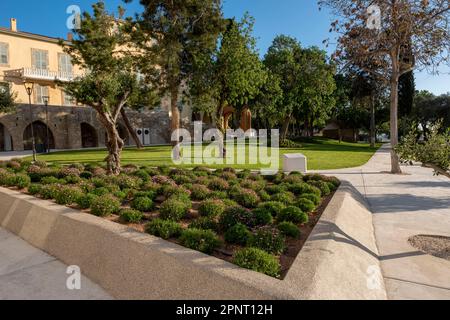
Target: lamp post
47,142
29,86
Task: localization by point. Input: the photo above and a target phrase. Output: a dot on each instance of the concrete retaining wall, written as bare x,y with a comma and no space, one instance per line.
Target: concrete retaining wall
131,265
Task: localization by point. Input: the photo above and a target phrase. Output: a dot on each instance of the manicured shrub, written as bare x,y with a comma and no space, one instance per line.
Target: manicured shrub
84,201
99,182
293,179
244,174
264,196
286,197
289,229
234,191
168,190
68,171
50,180
322,186
148,194
229,203
218,184
34,188
49,191
211,208
235,215
164,229
164,170
104,206
257,260
144,204
203,180
181,179
299,188
293,214
273,207
199,192
334,181
275,189
142,174
262,217
86,175
229,170
253,185
173,209
228,176
313,177
238,234
72,179
305,205
218,195
247,198
201,240
131,216
205,223
128,182
314,198
151,171
22,181
67,195
268,239
15,165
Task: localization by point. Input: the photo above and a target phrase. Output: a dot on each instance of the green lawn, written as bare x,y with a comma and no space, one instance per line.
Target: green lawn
322,154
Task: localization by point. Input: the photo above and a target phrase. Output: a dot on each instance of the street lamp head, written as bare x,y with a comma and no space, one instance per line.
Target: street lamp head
29,86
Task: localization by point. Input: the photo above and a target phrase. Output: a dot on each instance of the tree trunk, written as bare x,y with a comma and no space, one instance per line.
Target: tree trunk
395,163
114,144
175,125
130,129
285,127
372,122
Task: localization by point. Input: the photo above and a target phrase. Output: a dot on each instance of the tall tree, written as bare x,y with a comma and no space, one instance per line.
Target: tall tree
399,35
406,92
101,47
7,100
176,34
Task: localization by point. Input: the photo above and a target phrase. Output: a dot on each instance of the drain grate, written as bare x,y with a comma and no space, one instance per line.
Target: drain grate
437,246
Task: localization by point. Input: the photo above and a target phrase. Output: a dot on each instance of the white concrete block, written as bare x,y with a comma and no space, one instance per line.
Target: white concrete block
295,162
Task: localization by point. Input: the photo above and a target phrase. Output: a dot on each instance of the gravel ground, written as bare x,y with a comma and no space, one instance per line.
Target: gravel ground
434,245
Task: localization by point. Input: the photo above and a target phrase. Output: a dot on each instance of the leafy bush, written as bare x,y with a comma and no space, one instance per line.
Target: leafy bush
211,208
333,181
201,240
205,223
229,176
305,205
322,186
67,195
218,195
262,217
142,174
104,206
244,174
173,209
275,189
257,260
293,214
253,185
289,229
299,188
286,197
268,239
293,178
49,191
235,215
273,207
247,198
234,191
199,192
218,184
289,144
168,190
84,201
314,198
164,229
34,188
128,182
22,181
181,179
102,191
131,216
144,204
50,180
264,196
86,175
99,182
238,234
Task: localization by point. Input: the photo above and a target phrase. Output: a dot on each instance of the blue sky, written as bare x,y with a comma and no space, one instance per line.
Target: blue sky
298,18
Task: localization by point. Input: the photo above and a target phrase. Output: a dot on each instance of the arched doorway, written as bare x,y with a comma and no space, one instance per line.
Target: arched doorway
42,134
88,136
5,139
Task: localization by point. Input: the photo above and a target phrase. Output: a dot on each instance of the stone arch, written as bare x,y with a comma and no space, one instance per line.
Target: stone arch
89,137
6,141
40,134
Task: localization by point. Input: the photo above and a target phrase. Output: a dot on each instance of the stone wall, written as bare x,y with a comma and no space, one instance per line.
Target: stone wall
64,124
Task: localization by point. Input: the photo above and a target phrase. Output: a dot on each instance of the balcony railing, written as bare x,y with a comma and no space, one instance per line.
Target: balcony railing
44,74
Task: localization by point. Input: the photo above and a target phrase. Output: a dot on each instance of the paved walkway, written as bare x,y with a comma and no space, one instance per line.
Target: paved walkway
27,273
416,203
8,155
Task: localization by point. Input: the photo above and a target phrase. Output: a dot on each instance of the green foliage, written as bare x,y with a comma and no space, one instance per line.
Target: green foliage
247,198
234,215
293,214
258,260
211,208
305,205
205,223
84,201
67,195
34,188
144,204
289,229
131,216
199,192
218,184
201,240
21,181
262,216
322,186
268,239
173,209
238,234
102,191
314,198
7,99
286,198
164,229
104,206
273,207
49,191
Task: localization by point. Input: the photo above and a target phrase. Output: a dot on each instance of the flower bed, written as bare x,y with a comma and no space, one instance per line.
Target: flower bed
257,222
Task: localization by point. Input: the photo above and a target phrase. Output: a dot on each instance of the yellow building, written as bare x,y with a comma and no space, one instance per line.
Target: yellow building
35,58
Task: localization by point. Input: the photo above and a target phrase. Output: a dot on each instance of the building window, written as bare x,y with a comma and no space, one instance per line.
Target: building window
39,93
68,100
4,53
39,59
65,63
